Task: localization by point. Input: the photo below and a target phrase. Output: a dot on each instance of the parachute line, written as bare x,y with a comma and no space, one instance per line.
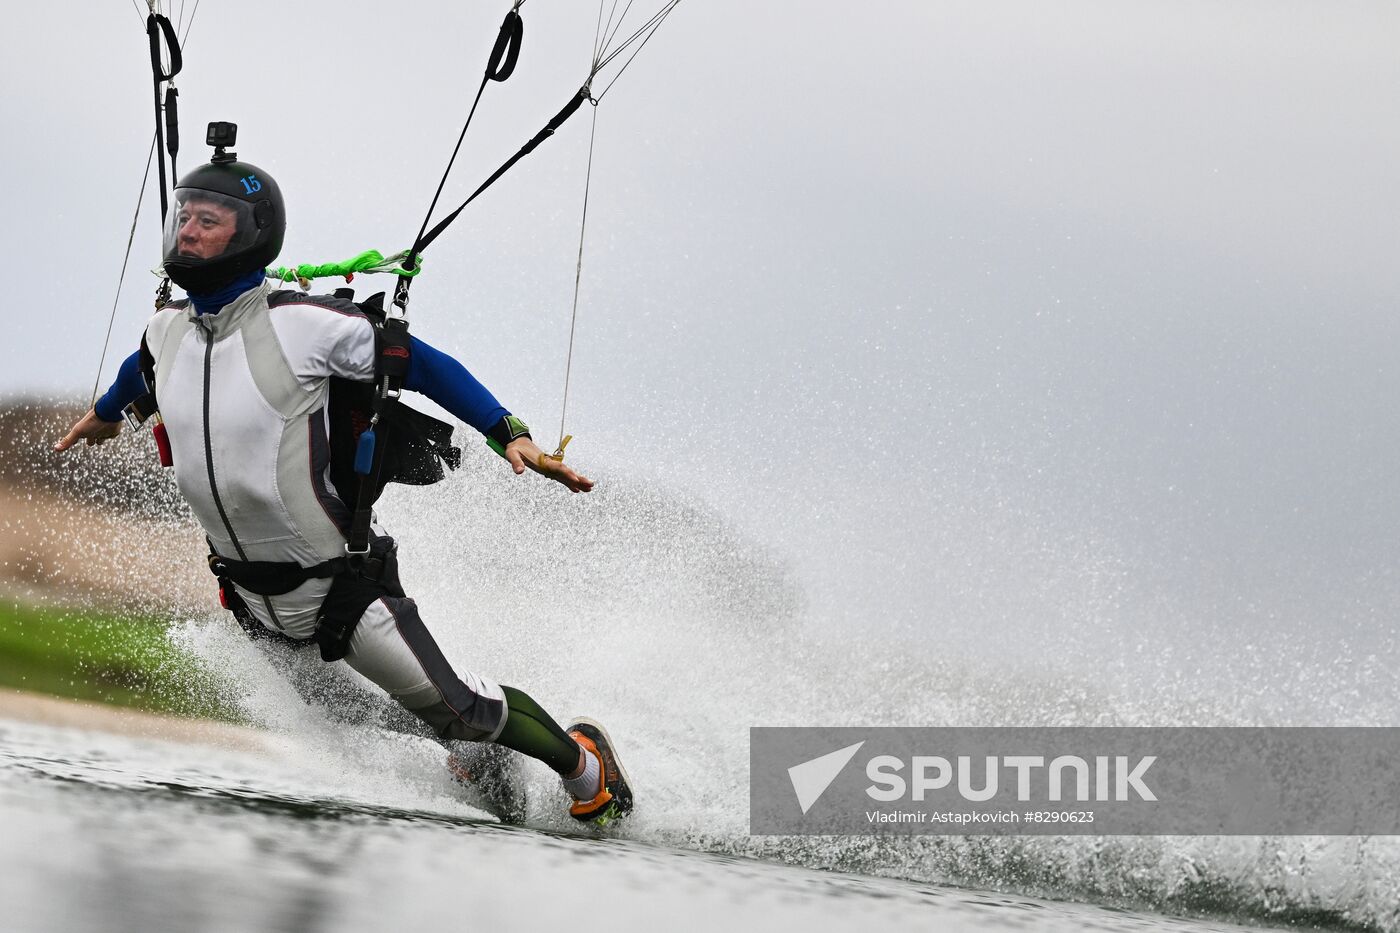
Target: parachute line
190,24
644,32
130,238
578,277
154,7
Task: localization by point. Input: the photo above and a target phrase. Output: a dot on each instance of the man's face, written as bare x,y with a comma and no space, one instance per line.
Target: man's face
204,228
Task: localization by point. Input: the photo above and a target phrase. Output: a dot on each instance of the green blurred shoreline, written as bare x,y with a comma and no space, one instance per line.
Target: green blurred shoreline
117,658
74,623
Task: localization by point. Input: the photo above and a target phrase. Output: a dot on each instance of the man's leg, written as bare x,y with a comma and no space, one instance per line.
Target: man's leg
531,731
393,648
317,683
491,769
583,757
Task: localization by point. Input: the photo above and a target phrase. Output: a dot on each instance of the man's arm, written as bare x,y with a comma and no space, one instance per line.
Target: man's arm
447,382
128,387
104,419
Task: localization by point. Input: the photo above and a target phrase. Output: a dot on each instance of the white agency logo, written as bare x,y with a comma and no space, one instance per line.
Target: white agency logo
1115,778
811,778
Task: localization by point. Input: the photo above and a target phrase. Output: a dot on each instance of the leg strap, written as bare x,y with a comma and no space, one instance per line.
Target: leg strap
373,577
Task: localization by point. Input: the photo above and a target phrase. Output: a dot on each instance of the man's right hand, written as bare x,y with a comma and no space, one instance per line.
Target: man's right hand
89,428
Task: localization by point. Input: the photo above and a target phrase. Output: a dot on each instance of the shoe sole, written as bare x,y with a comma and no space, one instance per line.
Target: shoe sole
621,804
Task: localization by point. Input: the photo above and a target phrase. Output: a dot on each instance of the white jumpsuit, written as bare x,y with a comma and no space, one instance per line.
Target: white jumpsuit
243,394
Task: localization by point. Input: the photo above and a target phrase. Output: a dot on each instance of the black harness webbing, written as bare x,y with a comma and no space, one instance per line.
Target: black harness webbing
499,66
353,589
392,344
394,331
391,359
273,578
604,52
555,122
172,127
156,27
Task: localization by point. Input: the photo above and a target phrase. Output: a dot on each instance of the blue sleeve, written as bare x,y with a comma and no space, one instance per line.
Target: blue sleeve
447,382
127,389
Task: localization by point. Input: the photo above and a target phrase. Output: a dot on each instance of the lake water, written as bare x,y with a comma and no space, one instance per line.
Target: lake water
113,833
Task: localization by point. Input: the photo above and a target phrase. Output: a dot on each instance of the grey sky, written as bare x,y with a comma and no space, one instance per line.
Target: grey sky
1027,316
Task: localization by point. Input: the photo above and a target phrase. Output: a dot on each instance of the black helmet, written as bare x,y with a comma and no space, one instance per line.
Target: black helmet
228,220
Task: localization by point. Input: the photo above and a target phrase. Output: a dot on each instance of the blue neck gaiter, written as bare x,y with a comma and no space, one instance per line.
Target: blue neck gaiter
213,302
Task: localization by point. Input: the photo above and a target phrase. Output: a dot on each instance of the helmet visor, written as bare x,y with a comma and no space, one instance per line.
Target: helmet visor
205,225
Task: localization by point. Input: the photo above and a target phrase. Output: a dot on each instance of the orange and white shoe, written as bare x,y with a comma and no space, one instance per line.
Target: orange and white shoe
614,798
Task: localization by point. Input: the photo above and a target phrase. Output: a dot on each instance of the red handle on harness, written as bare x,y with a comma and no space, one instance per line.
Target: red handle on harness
162,443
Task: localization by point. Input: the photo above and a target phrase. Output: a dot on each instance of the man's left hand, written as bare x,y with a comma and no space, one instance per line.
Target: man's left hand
89,428
524,452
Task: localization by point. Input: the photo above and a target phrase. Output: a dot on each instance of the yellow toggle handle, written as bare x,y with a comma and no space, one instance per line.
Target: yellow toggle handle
558,455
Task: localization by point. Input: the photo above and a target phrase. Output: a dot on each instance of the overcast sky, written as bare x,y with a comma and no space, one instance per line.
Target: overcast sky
1027,312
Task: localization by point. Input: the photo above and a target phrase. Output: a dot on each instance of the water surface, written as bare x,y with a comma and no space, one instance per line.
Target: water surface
113,834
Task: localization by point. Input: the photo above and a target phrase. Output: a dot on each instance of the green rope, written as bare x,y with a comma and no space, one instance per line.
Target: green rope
369,261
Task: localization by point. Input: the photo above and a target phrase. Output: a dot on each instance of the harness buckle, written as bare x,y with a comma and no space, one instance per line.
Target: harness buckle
140,409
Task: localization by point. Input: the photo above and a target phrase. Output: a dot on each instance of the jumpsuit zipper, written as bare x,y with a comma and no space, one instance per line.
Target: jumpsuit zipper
209,459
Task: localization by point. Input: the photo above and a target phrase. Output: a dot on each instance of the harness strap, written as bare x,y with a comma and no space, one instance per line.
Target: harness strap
392,356
158,27
172,126
554,123
273,578
356,582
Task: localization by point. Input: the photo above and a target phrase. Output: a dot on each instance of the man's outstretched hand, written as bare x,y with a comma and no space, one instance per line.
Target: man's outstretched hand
523,452
92,429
